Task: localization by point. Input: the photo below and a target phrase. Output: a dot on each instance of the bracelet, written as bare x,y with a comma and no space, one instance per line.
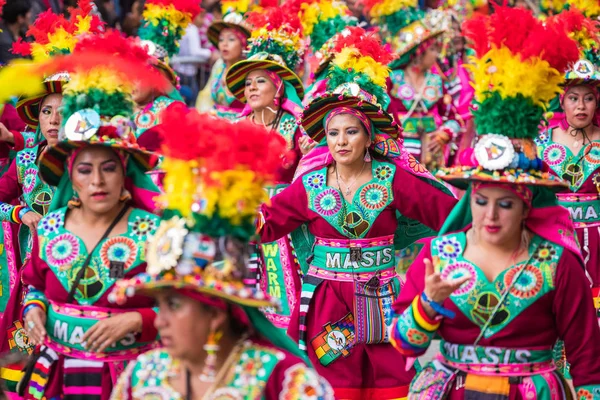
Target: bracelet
29,308
23,211
437,307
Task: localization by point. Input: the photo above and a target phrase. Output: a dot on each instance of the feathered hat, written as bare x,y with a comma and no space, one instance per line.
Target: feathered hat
213,189
276,45
164,23
518,67
356,79
590,8
53,35
97,102
323,19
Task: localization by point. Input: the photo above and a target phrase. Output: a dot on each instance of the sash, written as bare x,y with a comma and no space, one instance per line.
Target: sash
496,361
67,323
583,208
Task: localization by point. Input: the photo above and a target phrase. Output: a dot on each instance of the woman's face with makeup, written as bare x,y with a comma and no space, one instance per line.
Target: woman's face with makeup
98,178
50,117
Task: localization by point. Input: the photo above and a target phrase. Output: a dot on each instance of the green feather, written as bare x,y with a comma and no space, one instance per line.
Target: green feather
325,30
338,76
154,33
401,19
117,103
290,57
514,117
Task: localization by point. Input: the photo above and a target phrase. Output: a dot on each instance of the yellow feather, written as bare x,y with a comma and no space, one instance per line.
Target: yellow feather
20,78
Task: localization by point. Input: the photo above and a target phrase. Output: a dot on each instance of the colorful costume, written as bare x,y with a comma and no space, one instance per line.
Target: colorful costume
276,47
497,337
347,249
163,25
200,250
21,189
63,367
216,95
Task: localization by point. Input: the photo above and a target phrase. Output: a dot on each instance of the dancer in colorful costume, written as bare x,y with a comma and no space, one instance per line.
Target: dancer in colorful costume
96,231
25,197
571,147
267,84
419,100
230,35
358,203
493,284
217,342
164,23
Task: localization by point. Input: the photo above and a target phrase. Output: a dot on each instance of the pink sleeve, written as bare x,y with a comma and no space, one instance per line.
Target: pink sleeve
421,201
10,189
149,332
291,376
10,118
288,210
34,272
576,321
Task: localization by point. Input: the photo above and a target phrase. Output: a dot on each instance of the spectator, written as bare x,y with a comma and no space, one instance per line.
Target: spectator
16,18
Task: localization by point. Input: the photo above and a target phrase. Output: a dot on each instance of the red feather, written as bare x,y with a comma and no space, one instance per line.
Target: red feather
84,9
46,23
191,7
367,43
477,31
21,48
221,144
276,18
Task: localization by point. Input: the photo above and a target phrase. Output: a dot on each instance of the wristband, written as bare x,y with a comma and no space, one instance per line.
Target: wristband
437,307
23,211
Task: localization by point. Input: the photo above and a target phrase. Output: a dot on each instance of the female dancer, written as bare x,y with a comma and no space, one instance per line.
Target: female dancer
494,284
359,204
217,344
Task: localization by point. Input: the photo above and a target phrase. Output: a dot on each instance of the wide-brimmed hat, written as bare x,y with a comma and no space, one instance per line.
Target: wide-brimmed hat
29,108
233,21
508,112
431,26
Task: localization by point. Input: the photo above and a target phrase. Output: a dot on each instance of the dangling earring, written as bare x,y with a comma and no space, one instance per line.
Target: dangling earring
209,372
75,201
125,195
276,102
367,156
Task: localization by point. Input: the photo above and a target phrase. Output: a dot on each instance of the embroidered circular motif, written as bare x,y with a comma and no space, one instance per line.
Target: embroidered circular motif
316,181
593,153
142,226
449,247
29,180
545,252
584,394
145,119
383,172
416,337
430,93
51,222
374,196
4,207
227,393
328,202
62,250
554,154
529,283
26,157
457,271
120,249
406,92
29,142
42,197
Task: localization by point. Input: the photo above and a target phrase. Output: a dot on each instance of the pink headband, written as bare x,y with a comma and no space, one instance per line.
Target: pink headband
238,34
352,111
522,191
422,48
276,79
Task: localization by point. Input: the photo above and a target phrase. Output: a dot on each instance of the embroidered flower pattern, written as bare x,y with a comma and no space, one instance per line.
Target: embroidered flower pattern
51,222
383,172
25,157
416,337
593,153
449,247
142,226
529,283
62,250
29,180
316,181
545,252
4,207
328,202
460,270
415,165
374,196
119,249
